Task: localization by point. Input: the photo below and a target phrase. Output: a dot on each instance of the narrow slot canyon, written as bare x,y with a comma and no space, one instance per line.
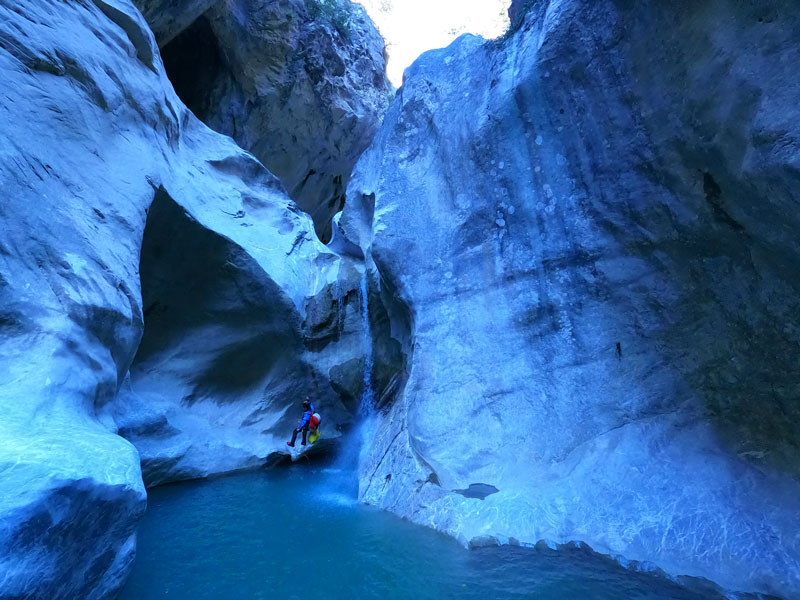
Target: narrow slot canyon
450,299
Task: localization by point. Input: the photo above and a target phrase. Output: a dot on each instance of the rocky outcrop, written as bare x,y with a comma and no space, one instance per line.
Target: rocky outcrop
299,83
228,353
592,224
125,219
517,11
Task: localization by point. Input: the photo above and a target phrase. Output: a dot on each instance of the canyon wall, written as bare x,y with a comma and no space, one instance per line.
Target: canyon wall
592,225
157,284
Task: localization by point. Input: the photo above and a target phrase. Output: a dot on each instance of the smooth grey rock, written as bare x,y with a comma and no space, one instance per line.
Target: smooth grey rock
109,181
227,355
76,147
592,224
299,83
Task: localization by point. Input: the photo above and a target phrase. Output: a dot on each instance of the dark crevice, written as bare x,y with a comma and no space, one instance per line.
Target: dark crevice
478,491
391,322
308,175
194,63
713,193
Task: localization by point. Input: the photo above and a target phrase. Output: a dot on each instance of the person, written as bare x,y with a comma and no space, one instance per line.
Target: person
308,410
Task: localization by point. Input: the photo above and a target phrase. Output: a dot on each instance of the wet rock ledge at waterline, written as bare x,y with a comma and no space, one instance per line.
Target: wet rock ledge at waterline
581,274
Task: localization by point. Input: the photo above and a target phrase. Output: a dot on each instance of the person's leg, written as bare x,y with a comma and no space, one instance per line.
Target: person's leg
294,437
305,432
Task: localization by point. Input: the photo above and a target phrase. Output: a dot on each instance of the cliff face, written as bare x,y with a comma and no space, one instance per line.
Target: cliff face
168,18
299,83
592,224
135,238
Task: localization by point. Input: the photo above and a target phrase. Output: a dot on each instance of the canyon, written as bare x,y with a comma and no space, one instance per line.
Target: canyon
561,265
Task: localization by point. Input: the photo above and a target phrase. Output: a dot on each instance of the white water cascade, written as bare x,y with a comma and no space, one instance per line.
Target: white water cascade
366,407
341,486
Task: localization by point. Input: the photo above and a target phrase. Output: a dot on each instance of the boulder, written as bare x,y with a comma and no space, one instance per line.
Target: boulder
592,224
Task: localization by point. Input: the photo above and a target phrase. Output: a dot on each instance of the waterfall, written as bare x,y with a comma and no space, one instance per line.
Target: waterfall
341,486
366,406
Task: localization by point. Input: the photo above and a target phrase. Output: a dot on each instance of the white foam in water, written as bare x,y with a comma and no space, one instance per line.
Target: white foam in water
338,499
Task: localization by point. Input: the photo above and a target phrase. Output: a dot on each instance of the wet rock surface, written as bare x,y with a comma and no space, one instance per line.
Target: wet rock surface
592,225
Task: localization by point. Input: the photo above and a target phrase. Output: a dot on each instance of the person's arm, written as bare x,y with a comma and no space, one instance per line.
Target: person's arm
312,407
306,417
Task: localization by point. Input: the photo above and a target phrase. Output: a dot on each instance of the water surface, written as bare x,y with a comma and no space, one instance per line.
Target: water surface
292,533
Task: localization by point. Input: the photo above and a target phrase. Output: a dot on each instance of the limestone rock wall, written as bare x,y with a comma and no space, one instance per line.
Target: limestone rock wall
299,83
592,224
227,354
127,220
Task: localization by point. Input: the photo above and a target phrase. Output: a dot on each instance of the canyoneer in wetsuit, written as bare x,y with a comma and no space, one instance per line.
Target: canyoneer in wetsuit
308,411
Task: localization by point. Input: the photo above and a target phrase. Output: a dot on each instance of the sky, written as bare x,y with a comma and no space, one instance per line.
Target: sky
411,27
